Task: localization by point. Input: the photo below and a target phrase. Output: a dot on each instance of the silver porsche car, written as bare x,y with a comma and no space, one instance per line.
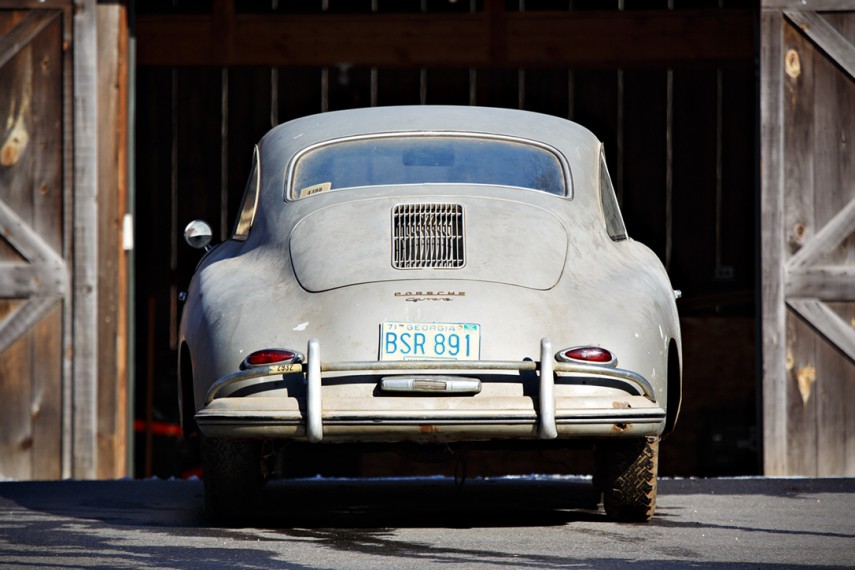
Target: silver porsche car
423,276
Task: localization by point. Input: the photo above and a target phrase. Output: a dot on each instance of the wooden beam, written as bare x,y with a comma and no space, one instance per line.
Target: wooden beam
839,333
826,239
485,39
773,309
85,288
809,5
838,48
17,280
47,276
829,283
30,26
112,259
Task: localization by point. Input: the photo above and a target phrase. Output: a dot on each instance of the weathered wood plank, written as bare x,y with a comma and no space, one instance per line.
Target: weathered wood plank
809,5
828,323
801,396
85,293
772,245
46,200
68,184
528,39
827,282
16,128
799,223
47,191
30,26
827,38
52,282
46,403
17,279
847,397
16,435
112,338
830,236
9,19
832,374
822,268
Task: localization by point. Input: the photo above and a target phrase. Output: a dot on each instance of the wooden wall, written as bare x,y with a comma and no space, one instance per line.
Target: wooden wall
63,332
669,85
32,196
808,246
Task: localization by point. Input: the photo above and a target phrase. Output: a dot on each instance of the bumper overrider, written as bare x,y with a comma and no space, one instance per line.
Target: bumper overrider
436,402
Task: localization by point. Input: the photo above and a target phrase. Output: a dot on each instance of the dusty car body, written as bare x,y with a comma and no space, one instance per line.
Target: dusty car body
430,275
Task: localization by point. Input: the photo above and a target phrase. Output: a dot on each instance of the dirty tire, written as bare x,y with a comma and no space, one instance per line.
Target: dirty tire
232,475
626,473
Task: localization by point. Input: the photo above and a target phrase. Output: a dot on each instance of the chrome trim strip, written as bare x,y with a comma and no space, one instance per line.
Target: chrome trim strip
243,417
546,417
260,375
422,384
314,421
288,191
275,371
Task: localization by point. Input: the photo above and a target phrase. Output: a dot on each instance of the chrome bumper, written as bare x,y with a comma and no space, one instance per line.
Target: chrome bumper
313,369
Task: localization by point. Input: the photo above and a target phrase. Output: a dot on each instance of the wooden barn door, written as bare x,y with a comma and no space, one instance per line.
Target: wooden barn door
808,239
33,272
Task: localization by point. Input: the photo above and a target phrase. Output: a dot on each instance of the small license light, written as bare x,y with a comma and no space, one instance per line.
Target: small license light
271,356
587,355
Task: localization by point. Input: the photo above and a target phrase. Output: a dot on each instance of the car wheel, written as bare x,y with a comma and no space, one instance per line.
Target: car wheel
233,477
626,473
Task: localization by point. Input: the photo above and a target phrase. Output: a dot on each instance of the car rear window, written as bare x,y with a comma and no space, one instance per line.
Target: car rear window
377,161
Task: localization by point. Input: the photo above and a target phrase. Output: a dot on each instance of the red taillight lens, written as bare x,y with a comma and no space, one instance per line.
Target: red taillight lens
587,355
272,356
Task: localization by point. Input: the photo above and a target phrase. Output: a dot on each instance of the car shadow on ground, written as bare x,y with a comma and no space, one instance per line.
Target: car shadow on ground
314,503
433,502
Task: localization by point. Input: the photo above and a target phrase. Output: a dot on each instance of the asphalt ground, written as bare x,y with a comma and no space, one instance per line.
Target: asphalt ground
520,522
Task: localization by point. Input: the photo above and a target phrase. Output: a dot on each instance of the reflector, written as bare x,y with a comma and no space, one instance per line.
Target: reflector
272,356
587,354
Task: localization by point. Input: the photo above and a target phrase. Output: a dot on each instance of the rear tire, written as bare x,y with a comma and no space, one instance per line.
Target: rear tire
626,472
233,477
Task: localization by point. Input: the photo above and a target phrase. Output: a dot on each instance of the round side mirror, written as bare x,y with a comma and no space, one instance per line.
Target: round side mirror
198,234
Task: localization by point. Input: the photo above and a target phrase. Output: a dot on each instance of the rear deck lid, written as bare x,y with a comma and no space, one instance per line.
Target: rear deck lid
478,239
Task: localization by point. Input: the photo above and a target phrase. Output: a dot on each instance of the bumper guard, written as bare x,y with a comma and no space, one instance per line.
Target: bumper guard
314,367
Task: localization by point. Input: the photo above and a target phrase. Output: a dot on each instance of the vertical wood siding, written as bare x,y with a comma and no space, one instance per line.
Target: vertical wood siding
808,243
63,326
31,186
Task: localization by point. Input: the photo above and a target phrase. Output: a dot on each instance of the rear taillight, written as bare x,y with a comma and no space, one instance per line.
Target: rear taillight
271,356
587,355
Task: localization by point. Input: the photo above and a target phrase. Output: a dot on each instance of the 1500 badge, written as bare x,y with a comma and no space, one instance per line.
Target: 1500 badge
418,296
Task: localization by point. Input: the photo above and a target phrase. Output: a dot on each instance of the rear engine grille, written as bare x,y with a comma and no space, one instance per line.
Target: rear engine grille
427,236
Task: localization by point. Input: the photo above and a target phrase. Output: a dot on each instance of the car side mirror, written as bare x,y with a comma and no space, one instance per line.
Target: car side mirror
198,235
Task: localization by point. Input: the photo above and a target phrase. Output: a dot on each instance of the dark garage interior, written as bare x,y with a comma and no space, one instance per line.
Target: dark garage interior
670,86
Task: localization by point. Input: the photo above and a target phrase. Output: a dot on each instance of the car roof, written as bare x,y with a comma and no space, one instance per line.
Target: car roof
579,146
313,129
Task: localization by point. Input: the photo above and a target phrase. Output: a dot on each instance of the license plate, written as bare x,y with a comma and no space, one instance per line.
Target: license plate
429,341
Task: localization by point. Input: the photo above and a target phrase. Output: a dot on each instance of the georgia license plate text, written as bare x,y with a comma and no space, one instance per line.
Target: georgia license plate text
429,341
